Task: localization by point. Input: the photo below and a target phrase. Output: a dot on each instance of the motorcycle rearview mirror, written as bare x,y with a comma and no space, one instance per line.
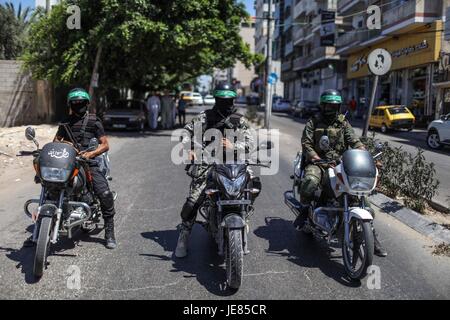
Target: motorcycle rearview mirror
93,144
30,134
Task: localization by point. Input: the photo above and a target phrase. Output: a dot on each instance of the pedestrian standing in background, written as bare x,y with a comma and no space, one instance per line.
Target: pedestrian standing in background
352,106
182,110
167,109
153,107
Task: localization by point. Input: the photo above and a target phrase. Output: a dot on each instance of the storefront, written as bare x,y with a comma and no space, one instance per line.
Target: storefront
415,58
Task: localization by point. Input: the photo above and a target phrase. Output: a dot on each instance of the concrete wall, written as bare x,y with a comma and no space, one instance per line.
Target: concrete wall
22,100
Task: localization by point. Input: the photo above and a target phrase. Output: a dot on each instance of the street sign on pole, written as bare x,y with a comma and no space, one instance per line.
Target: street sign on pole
379,62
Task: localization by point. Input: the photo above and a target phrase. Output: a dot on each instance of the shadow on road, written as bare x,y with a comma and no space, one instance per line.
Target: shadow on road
25,255
303,250
202,262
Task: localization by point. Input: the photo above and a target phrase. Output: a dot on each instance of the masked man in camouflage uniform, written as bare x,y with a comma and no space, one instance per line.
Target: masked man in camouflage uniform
221,117
326,137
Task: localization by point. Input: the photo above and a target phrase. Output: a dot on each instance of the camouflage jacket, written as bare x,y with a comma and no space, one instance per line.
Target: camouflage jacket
341,137
209,119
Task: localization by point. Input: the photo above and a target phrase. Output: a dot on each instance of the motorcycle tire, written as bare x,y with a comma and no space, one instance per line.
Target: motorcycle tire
42,246
234,258
366,234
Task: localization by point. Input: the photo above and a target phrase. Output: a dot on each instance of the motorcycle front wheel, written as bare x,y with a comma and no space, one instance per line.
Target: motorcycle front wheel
234,257
358,253
42,246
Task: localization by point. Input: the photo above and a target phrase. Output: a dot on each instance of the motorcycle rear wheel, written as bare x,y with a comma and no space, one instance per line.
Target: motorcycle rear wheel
361,246
234,258
42,246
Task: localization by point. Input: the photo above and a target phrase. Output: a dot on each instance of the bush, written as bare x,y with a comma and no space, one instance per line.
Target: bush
406,175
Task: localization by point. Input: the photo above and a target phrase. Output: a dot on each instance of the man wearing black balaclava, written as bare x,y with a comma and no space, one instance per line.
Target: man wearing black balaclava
221,117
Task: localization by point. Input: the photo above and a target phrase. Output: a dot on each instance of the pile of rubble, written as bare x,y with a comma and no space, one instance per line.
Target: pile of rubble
12,140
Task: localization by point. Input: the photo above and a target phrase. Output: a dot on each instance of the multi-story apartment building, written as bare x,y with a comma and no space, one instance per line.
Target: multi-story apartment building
411,32
310,63
262,12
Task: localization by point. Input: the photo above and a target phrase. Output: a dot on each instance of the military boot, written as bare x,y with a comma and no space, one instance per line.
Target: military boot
110,239
300,221
183,239
378,248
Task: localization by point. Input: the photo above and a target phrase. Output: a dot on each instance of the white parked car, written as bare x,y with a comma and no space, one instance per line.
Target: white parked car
281,105
197,99
439,133
209,100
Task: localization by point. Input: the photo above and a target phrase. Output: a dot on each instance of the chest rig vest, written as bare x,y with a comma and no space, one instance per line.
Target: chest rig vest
329,139
84,129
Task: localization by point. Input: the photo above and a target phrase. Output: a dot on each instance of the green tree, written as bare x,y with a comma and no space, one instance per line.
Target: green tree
145,43
13,28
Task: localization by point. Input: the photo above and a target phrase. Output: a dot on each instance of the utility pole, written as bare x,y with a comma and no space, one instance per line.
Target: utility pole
94,78
47,6
267,86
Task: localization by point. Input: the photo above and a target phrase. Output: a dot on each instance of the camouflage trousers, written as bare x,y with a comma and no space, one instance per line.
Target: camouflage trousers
315,177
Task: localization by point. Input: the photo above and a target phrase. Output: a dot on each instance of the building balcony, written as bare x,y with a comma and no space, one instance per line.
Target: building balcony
288,48
411,13
287,23
317,55
299,35
286,66
350,5
355,37
300,9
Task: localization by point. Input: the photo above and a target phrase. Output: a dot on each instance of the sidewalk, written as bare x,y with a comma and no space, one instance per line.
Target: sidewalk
12,140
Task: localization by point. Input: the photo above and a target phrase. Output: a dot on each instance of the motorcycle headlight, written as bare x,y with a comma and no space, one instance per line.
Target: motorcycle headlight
54,174
233,188
361,184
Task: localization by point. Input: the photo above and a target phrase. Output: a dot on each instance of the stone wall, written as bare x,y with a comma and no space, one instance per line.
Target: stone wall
23,101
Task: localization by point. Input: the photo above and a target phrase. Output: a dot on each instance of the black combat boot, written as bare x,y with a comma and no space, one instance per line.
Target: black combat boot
109,234
378,248
183,239
300,221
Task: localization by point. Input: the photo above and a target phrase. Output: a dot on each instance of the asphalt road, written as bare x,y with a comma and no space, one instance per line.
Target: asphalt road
283,264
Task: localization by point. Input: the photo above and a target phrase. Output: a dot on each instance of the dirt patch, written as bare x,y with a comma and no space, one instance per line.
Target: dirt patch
12,140
442,249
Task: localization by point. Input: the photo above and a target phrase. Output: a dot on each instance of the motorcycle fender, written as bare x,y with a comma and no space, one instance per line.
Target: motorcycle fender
47,210
360,214
233,221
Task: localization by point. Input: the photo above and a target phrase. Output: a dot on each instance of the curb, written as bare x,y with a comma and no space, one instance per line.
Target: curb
411,218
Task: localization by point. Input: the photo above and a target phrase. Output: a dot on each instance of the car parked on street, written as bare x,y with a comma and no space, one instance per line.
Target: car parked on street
439,133
304,108
281,105
192,98
392,117
209,100
126,114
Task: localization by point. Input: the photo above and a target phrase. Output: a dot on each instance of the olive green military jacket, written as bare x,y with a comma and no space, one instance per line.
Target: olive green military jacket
341,137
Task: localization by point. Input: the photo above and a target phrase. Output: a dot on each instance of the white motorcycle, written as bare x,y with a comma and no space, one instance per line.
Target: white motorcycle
354,177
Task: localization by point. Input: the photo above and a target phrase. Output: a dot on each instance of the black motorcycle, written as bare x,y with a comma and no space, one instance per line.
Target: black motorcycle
226,210
67,199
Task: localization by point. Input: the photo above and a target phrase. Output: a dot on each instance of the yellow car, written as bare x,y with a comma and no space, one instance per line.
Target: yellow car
392,117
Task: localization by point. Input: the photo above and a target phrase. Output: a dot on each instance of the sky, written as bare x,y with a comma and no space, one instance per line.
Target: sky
25,3
249,5
30,3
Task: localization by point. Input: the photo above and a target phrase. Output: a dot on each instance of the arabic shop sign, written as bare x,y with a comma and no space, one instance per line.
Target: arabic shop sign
411,49
403,52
